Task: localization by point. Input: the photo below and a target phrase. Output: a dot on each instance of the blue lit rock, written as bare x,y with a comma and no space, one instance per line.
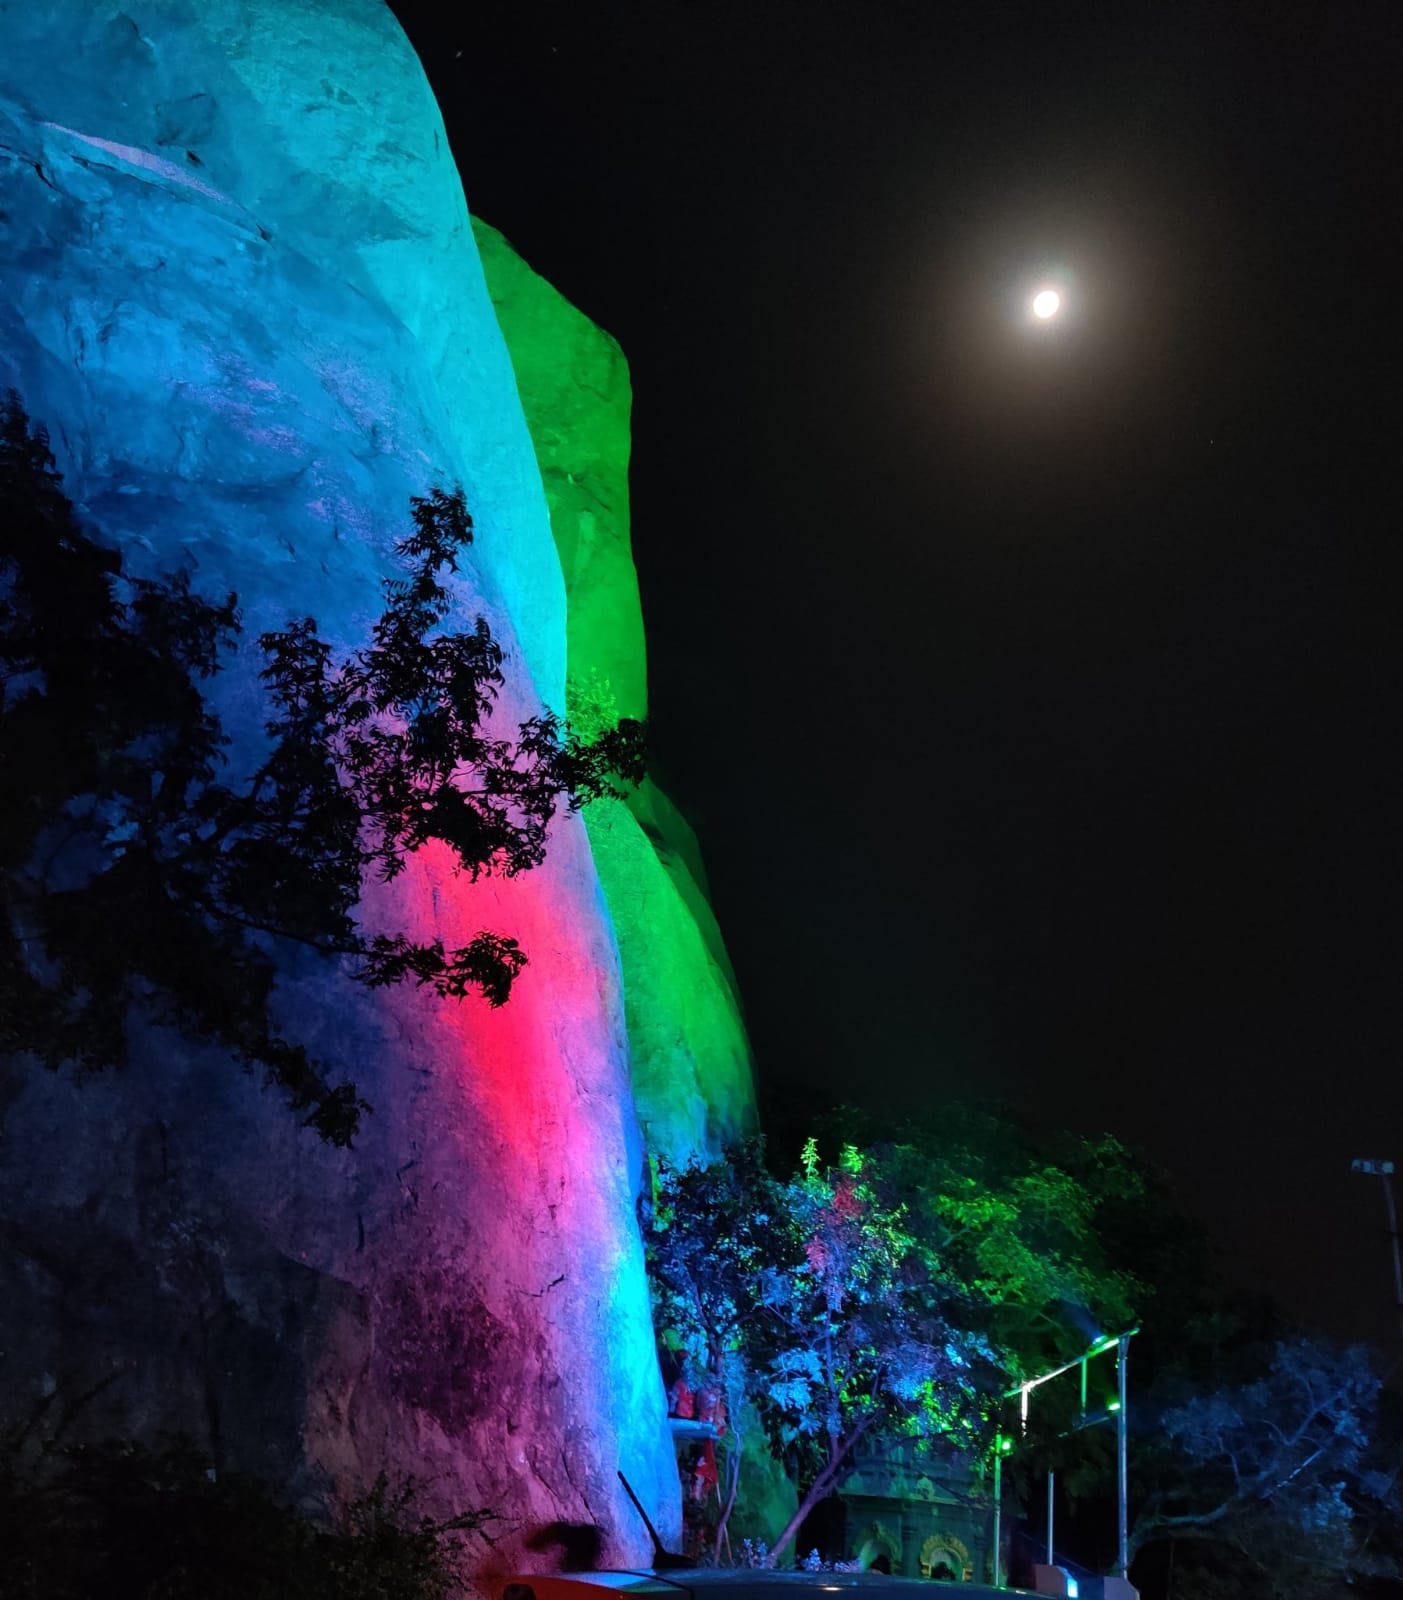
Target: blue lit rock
240,287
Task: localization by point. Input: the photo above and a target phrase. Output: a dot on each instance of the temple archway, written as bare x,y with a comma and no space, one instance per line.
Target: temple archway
944,1549
879,1542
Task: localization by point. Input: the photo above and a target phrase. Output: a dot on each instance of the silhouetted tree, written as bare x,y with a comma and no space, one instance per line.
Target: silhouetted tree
1269,1474
132,878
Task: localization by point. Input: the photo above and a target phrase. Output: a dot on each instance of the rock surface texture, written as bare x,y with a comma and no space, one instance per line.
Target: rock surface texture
239,286
690,1057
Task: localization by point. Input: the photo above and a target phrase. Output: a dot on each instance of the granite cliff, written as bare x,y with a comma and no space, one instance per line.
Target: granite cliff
690,1059
240,288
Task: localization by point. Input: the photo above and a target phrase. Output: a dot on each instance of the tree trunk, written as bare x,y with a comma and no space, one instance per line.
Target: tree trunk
822,1486
733,1460
817,1491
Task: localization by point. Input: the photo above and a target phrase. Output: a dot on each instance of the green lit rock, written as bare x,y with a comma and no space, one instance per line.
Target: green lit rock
573,382
766,1497
690,1058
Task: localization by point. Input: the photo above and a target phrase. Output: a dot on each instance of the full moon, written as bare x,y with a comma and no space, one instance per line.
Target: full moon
1045,303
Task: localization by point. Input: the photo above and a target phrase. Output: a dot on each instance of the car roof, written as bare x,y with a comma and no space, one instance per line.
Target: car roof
737,1583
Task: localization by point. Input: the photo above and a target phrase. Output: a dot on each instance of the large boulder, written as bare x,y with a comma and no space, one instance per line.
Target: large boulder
241,290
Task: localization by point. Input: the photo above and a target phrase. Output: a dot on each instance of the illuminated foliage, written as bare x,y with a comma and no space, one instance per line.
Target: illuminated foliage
708,1246
706,1249
133,878
590,703
846,1324
900,1290
1020,1223
861,1330
897,1291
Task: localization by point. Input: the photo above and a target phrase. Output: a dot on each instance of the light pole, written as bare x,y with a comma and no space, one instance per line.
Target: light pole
1120,1343
1001,1448
1383,1170
998,1506
1122,1353
1051,1487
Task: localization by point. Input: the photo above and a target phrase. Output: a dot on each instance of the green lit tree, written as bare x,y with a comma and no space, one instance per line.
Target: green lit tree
1021,1218
895,1295
135,880
846,1327
859,1332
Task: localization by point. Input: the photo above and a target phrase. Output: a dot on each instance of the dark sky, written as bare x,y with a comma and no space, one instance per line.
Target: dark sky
1034,691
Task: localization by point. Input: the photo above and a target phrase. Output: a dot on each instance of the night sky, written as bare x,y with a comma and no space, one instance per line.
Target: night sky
1033,691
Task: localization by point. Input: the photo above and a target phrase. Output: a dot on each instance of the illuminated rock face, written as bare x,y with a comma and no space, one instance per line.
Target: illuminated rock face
689,1053
240,288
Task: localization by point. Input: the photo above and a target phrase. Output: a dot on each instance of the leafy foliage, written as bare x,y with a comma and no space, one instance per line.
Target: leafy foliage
895,1294
119,1519
1019,1222
132,876
1273,1476
708,1245
590,703
861,1324
706,1248
1263,1462
1059,1239
1021,1217
846,1325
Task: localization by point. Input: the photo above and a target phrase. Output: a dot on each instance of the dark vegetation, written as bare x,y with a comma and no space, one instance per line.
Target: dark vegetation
115,812
131,1523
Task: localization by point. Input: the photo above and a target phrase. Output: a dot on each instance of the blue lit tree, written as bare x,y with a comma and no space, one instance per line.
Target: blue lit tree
846,1326
1269,1482
895,1294
707,1247
859,1330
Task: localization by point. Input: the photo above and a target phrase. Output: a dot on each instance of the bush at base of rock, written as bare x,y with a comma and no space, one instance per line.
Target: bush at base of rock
133,1523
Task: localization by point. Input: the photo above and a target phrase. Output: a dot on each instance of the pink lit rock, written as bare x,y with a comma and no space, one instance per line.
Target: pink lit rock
240,288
